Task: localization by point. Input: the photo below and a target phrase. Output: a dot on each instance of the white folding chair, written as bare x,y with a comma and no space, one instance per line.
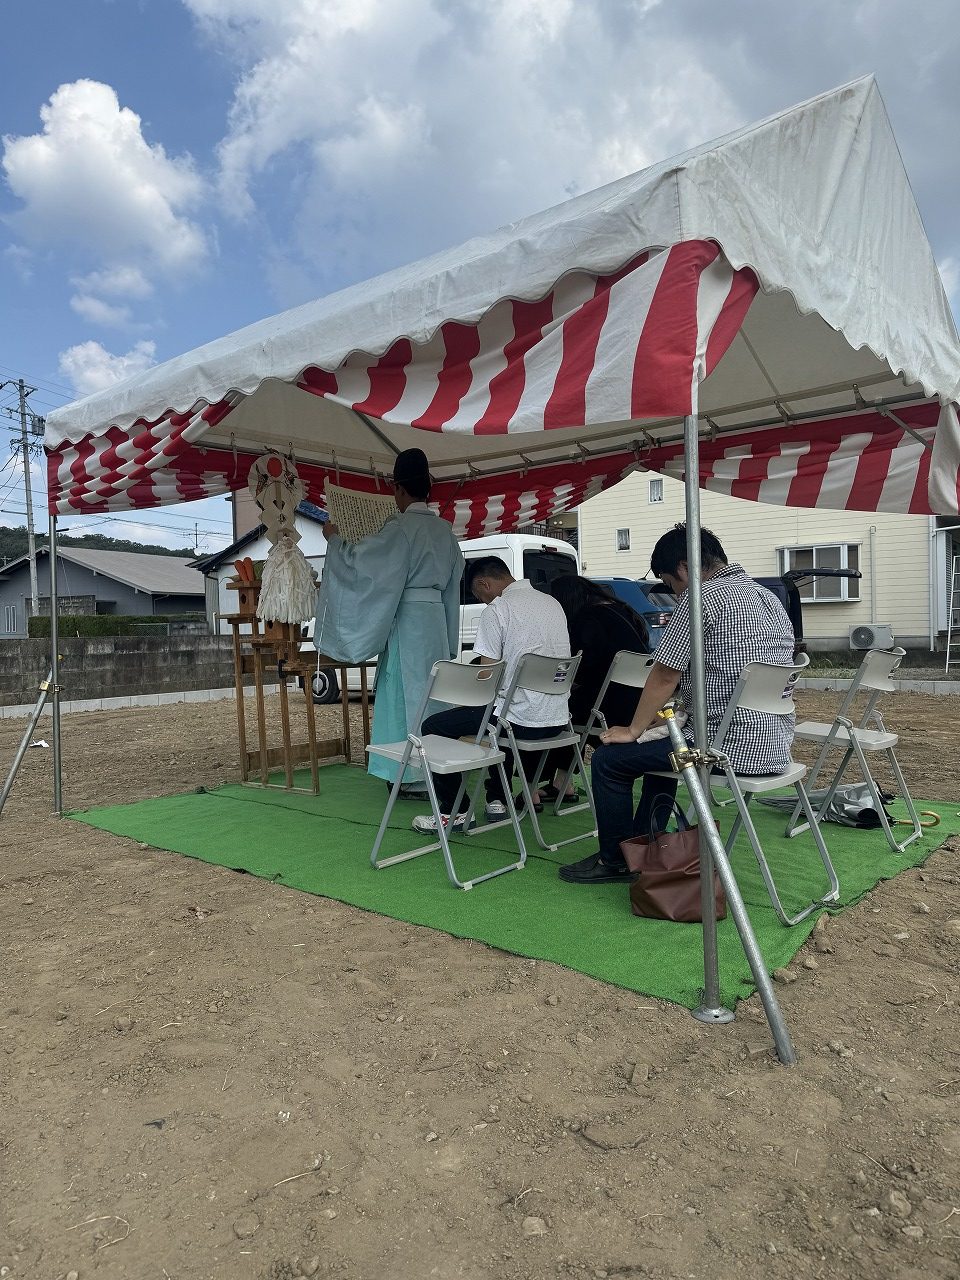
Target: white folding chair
462,685
536,673
628,668
768,688
859,739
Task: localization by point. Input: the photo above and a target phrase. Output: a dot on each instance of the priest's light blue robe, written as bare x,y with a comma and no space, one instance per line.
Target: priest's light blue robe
395,594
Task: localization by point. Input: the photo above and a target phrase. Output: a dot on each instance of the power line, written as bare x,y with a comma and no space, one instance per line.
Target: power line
14,480
173,528
114,518
54,388
22,412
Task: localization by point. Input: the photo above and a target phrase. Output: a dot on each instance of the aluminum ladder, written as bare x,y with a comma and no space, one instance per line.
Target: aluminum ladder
953,617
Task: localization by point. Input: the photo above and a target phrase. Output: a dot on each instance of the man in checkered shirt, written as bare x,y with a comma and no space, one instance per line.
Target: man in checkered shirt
742,623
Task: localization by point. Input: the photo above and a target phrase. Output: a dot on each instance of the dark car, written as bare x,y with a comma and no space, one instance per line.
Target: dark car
655,602
787,591
651,599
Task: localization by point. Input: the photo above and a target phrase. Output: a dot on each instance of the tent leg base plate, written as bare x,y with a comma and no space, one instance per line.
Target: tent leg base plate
714,1016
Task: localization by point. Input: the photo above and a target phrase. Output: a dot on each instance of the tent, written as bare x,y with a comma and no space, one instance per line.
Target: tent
773,291
781,276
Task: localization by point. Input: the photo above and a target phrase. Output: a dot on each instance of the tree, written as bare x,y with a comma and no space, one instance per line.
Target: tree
13,545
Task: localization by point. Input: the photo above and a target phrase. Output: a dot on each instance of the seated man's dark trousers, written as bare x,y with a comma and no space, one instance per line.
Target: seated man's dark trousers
613,770
463,722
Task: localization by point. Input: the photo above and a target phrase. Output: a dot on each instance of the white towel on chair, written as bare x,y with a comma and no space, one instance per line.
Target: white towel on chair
662,730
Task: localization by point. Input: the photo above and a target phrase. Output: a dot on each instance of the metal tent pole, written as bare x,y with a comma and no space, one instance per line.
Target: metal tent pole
26,739
712,853
685,760
55,671
710,1010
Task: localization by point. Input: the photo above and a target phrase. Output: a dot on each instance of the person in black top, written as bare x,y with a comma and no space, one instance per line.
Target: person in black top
600,625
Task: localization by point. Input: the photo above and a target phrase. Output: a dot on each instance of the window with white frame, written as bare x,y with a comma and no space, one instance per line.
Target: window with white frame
10,618
829,555
656,489
623,539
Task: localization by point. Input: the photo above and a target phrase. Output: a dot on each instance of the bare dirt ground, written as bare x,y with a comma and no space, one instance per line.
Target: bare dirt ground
204,1075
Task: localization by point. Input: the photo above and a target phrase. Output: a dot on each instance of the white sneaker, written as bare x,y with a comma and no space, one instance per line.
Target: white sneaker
427,823
496,810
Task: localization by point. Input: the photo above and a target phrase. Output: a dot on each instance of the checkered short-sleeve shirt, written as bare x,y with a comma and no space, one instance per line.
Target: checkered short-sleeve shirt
742,623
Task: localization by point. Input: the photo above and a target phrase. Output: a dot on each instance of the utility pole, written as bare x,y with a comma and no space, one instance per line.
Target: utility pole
25,391
28,494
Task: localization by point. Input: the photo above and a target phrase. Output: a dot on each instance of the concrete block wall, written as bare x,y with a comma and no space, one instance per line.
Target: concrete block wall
116,666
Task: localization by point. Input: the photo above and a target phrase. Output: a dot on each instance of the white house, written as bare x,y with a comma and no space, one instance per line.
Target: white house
905,560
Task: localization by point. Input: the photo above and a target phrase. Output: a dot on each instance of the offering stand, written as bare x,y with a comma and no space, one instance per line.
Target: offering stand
260,647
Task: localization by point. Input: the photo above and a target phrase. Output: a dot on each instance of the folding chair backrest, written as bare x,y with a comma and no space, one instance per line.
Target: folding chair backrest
630,668
463,685
768,687
872,677
627,668
877,667
537,673
763,686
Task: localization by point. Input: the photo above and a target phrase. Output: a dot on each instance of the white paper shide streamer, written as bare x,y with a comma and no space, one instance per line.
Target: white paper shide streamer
288,590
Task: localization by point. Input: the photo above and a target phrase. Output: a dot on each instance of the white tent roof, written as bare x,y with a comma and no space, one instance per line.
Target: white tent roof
814,200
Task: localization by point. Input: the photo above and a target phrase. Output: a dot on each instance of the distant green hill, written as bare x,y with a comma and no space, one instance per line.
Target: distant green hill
13,545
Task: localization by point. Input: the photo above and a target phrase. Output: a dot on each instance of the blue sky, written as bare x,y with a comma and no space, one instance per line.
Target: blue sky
173,169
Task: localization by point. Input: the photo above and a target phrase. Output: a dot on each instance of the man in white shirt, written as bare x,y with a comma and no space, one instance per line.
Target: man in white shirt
518,619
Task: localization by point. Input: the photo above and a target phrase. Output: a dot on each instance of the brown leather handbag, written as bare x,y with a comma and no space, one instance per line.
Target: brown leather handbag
667,866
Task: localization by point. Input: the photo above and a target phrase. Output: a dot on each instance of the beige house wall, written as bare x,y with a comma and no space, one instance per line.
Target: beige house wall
897,591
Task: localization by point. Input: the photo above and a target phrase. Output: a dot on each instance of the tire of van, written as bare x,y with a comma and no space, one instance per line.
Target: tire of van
326,687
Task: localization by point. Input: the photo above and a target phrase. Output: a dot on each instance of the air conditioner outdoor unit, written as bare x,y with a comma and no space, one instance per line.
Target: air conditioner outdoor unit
872,635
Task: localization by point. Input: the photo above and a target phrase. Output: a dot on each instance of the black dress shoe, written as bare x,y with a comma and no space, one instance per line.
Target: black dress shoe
594,870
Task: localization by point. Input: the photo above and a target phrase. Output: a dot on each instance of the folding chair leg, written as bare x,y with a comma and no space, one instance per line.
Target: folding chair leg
445,843
382,829
562,810
534,820
907,800
528,787
379,863
745,820
896,845
856,751
795,828
833,894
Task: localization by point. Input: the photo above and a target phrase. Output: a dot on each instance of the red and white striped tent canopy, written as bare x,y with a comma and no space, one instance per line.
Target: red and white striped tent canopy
777,281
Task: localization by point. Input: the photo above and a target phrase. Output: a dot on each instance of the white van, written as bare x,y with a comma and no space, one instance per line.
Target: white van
525,555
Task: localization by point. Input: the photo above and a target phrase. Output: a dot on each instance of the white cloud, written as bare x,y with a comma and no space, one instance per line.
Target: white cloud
126,282
367,132
397,126
21,260
98,312
90,367
91,180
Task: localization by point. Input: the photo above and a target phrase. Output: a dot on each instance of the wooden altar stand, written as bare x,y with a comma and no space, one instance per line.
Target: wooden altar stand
262,649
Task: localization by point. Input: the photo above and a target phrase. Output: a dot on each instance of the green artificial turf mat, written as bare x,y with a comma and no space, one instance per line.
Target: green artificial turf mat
321,845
